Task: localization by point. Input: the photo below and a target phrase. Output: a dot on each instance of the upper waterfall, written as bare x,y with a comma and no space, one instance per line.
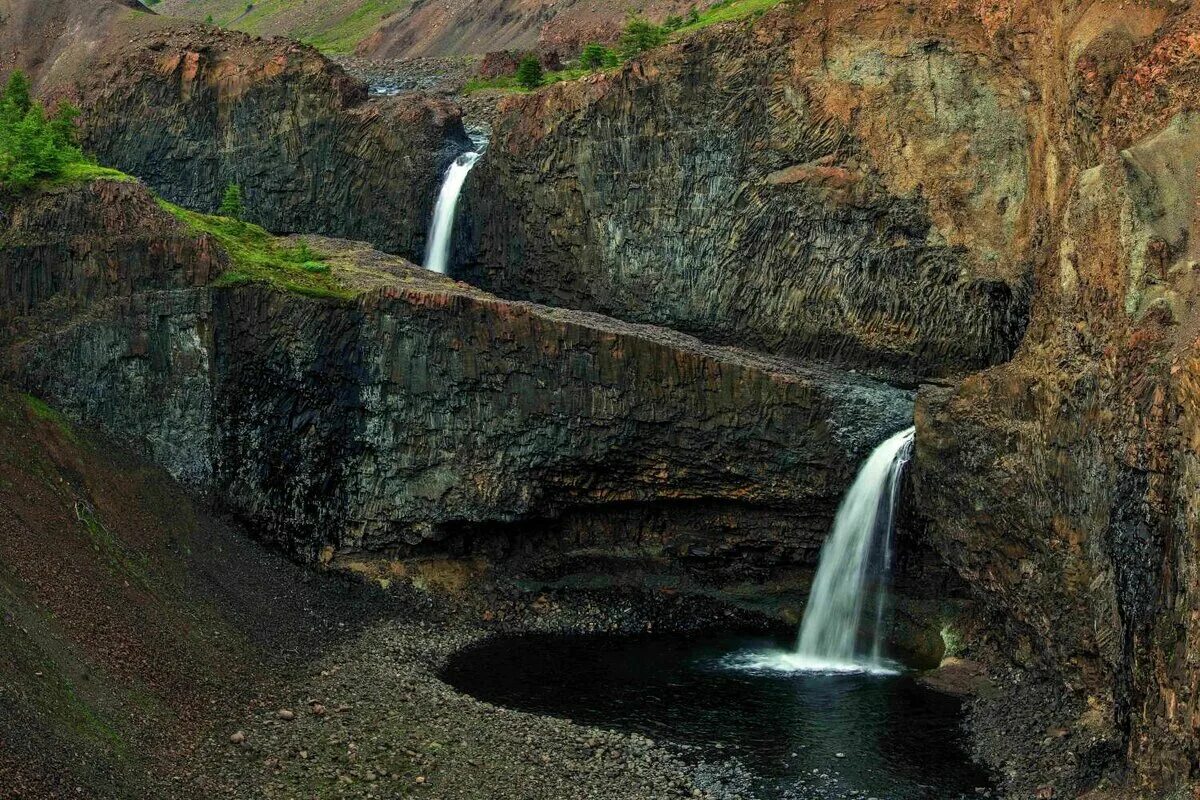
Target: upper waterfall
437,251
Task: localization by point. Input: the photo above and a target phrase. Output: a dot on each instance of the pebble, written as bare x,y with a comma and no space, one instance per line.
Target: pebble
286,714
237,737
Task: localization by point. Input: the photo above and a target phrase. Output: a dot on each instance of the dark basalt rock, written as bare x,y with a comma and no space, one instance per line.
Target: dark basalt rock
426,409
718,187
190,110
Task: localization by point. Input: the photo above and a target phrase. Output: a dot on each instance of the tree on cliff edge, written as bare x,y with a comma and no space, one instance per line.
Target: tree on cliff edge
231,202
529,73
33,146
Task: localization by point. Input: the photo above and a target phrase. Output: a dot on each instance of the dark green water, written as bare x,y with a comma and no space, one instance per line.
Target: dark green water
898,740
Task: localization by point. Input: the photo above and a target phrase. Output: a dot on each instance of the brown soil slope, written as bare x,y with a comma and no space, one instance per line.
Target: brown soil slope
132,621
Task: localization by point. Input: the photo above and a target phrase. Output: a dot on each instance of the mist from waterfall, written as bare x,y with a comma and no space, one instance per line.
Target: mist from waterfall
440,239
844,624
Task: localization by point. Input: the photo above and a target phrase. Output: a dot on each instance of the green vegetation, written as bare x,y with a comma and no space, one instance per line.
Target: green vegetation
951,642
597,56
509,83
727,11
343,35
259,257
529,73
641,35
231,202
47,414
34,146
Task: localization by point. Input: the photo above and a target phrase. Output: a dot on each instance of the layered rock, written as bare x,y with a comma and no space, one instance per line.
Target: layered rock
1063,486
424,408
864,202
191,109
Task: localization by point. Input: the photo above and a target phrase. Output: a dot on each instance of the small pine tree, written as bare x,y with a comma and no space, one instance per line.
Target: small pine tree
529,73
596,56
32,146
231,202
693,16
17,99
641,35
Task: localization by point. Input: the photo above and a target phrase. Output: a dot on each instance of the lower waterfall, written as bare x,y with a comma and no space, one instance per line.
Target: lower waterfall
844,623
852,573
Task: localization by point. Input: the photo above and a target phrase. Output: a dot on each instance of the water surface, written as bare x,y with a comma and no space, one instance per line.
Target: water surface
897,740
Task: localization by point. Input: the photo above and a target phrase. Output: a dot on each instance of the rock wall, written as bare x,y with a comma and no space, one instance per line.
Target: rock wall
191,110
864,201
1062,486
425,408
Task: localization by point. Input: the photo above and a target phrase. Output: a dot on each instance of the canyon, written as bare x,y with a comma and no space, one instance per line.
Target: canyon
688,296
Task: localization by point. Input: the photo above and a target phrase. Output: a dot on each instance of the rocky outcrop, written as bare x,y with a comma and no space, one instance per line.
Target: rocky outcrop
192,110
1063,486
424,409
71,246
863,202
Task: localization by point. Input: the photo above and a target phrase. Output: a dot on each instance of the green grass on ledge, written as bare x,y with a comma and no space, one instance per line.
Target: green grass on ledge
259,257
728,11
508,83
82,172
721,11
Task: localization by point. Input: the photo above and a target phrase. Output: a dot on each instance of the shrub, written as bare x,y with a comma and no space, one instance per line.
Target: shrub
596,56
641,35
231,202
529,72
33,146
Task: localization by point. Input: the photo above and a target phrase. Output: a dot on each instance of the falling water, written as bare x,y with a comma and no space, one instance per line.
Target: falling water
437,253
854,561
851,576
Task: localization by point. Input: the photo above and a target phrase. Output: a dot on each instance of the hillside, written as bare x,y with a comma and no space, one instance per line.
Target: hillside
405,29
336,26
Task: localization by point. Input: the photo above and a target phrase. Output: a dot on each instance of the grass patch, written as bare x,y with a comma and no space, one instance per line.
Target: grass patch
82,172
344,34
508,83
259,257
728,11
47,414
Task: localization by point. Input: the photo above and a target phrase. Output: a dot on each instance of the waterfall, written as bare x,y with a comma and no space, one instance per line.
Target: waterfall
437,250
853,569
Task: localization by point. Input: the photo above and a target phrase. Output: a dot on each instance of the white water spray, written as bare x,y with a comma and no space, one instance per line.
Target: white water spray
836,635
856,559
437,251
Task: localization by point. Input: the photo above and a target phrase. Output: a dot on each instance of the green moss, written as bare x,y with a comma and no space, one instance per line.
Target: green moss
259,257
44,412
951,642
81,172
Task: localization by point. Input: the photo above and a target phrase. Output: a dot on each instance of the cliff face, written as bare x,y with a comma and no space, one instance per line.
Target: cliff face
424,408
842,186
190,110
1063,485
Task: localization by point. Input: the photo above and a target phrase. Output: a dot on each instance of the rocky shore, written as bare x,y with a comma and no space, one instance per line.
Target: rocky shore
371,718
